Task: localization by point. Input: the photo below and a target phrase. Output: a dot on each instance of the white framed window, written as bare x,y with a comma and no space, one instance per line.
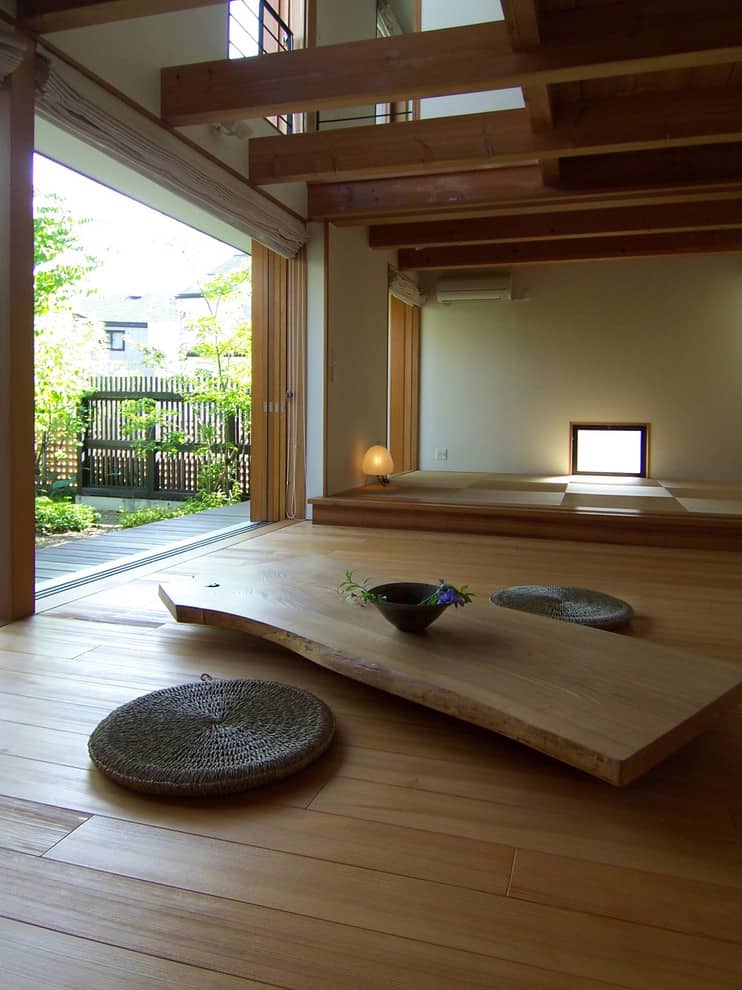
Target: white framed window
610,448
116,340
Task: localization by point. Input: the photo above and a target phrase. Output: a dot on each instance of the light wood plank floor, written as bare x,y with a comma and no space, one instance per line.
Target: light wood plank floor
419,853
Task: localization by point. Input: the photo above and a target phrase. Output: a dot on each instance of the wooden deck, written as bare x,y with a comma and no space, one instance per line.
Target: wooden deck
94,555
420,853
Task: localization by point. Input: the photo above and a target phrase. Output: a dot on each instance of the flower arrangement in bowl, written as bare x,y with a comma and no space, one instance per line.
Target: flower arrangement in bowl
410,606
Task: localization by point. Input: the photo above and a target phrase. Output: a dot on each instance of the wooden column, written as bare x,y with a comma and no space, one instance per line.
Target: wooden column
16,343
404,384
268,426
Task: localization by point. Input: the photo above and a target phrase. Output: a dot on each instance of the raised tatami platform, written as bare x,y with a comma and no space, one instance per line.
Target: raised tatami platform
642,511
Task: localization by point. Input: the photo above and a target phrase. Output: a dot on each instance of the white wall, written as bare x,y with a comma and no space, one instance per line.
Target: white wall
130,54
443,13
656,340
338,22
436,14
357,332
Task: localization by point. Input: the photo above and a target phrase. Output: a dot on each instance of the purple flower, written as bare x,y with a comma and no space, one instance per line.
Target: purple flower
446,595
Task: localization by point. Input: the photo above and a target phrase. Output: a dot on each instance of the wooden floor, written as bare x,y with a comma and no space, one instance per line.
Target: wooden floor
95,554
420,853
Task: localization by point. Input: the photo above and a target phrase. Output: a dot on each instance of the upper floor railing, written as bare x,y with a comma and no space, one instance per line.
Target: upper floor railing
256,28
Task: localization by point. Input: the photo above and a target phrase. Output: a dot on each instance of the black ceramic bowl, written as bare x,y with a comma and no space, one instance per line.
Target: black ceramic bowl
402,605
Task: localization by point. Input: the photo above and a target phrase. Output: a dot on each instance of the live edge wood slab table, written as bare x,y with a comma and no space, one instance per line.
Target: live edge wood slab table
609,704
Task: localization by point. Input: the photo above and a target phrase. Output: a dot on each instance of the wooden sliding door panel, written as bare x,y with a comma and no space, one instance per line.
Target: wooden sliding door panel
404,384
278,392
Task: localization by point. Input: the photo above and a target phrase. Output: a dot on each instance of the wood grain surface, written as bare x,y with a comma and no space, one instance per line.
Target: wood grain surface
421,852
604,703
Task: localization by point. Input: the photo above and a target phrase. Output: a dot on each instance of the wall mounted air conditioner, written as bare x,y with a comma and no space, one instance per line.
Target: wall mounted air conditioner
466,288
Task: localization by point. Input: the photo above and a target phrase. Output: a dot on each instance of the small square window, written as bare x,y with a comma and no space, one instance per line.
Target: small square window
610,448
116,340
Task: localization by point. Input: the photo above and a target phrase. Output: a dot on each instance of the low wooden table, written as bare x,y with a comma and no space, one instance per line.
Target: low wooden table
611,705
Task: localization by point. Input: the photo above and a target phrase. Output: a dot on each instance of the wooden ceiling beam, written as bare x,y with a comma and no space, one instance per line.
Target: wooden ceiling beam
431,63
471,141
623,220
496,192
668,165
578,21
360,202
522,19
581,249
45,16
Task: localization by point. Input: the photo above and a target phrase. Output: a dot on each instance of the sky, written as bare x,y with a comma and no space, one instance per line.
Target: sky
141,251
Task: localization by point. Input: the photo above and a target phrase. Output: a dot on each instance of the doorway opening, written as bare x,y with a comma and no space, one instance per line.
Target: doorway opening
143,382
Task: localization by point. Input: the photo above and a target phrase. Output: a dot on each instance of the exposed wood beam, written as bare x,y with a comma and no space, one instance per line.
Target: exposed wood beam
580,21
668,165
628,123
489,193
60,15
521,17
432,63
580,249
402,67
715,215
360,202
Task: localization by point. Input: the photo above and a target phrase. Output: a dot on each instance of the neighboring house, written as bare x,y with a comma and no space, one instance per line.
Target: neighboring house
131,324
192,306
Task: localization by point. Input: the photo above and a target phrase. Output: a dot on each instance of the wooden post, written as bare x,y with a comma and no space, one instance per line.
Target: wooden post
16,343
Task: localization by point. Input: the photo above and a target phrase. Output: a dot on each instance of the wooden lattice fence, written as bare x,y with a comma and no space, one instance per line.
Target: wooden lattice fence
60,463
112,461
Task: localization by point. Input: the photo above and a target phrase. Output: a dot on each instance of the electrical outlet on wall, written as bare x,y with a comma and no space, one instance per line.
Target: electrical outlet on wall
441,453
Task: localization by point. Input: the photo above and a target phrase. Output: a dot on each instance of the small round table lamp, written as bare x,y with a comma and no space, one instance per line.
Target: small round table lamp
377,460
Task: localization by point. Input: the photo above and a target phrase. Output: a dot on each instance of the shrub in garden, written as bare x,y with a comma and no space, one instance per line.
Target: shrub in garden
143,516
157,513
63,517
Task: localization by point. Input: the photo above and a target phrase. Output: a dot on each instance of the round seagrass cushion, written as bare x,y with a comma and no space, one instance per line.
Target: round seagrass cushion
212,737
588,608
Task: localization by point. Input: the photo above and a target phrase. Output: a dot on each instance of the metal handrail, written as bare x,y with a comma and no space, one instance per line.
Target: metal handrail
274,34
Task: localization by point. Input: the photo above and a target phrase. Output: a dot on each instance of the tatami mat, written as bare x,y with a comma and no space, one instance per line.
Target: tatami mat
576,492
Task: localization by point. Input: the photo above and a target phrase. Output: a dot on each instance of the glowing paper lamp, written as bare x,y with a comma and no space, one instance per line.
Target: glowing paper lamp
377,460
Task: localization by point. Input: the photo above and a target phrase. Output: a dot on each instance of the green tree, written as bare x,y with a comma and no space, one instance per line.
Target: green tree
222,344
214,375
60,263
65,346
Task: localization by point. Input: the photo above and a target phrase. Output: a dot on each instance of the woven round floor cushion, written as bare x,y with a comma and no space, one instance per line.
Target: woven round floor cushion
588,608
212,737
